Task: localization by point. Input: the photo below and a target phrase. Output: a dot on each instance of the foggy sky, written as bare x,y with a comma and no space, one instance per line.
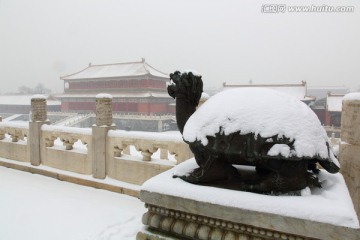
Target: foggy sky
224,40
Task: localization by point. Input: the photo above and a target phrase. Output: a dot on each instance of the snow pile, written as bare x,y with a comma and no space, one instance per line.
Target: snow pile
104,95
194,72
329,204
264,112
352,96
204,97
39,96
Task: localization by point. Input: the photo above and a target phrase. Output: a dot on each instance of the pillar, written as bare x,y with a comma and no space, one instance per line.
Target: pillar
350,146
104,122
38,117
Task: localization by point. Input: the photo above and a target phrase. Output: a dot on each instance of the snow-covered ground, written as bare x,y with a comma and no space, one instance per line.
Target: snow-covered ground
37,207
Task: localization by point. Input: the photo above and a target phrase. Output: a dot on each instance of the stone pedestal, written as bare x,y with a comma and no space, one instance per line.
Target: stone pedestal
177,210
350,146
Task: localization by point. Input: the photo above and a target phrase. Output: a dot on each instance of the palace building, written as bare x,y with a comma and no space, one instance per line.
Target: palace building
136,88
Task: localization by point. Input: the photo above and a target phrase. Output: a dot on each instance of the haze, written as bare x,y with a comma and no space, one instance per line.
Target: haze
224,40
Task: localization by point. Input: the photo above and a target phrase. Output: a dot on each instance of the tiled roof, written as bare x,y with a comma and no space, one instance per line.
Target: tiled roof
116,70
23,100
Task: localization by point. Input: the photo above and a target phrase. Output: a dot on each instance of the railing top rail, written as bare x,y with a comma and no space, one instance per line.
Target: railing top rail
173,136
14,124
71,130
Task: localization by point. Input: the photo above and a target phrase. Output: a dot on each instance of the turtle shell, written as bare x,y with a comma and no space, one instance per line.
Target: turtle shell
265,113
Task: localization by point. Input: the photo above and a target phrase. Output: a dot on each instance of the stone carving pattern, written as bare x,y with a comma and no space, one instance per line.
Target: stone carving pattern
15,133
38,109
149,147
192,226
68,139
103,112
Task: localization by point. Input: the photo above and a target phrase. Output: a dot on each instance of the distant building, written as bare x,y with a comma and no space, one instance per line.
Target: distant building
321,91
319,107
333,109
136,88
298,91
329,109
21,104
328,103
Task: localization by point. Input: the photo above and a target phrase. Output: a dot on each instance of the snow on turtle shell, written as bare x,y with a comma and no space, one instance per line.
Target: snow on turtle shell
265,112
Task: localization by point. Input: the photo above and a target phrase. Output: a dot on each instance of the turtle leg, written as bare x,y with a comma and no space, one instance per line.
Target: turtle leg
212,168
280,177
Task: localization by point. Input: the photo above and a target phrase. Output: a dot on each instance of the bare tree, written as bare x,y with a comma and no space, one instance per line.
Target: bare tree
38,89
24,90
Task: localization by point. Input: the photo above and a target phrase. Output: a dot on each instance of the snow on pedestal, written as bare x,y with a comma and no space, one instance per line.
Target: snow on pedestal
330,204
323,213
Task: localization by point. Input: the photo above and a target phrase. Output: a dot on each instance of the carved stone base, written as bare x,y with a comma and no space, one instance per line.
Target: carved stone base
174,215
166,223
189,226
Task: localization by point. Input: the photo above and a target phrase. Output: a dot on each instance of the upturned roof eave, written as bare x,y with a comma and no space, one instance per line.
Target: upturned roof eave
147,67
114,77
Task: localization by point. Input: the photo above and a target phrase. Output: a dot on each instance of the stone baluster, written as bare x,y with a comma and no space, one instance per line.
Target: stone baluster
127,150
68,142
2,134
117,151
350,146
164,153
181,151
104,122
146,148
38,117
14,137
49,141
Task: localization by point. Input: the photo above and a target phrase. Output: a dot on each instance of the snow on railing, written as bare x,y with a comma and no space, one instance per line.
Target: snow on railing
166,146
68,135
101,151
14,130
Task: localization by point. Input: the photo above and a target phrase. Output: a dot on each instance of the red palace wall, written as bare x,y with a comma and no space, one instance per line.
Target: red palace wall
158,108
65,106
145,108
82,106
116,84
320,113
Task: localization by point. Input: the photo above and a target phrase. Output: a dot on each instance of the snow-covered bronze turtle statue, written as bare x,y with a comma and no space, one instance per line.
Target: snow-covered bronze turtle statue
275,133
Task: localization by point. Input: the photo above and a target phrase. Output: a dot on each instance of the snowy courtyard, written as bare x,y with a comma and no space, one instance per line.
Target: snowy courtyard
37,207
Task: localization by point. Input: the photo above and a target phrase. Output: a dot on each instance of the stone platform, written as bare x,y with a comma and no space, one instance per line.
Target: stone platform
179,210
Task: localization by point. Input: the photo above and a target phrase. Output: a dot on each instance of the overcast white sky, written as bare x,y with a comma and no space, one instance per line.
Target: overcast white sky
225,40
